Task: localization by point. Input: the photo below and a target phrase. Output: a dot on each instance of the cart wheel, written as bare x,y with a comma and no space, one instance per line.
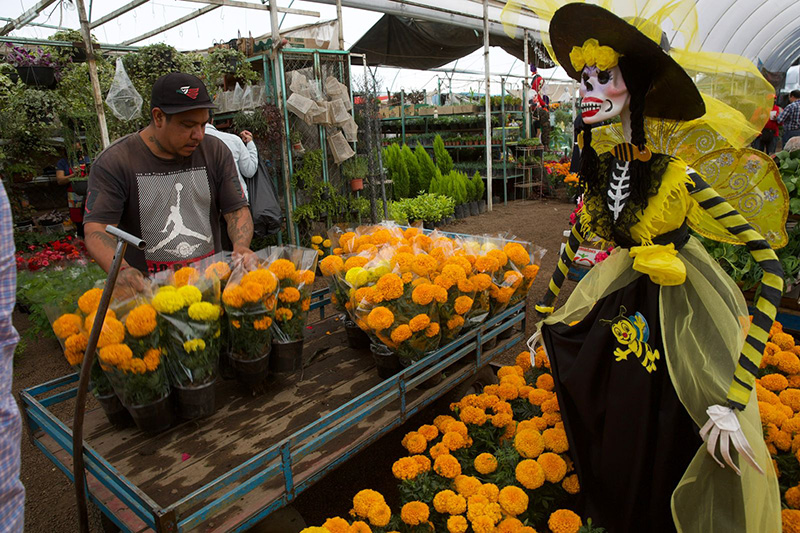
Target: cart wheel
98,521
475,384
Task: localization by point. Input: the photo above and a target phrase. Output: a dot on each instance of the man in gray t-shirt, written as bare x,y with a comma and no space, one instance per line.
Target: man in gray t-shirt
167,183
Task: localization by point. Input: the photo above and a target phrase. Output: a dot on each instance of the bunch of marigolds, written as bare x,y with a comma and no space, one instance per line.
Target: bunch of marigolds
414,292
499,463
295,269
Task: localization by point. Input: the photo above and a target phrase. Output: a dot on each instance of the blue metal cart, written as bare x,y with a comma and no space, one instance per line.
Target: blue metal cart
257,452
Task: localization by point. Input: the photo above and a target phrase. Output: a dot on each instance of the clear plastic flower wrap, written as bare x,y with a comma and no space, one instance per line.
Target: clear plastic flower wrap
189,314
250,299
294,267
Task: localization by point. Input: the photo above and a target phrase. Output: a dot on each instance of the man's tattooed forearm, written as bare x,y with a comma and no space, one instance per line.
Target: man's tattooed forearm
104,238
240,227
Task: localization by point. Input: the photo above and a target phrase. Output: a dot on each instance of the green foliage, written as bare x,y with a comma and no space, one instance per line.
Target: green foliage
443,159
427,169
398,171
354,168
65,55
428,207
789,165
411,163
470,186
149,63
57,288
222,61
479,186
310,170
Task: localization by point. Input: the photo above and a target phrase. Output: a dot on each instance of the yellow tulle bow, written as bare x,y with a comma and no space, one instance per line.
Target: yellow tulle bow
660,262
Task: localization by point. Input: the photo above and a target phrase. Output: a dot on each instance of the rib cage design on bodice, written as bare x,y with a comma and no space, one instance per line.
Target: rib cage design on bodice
619,187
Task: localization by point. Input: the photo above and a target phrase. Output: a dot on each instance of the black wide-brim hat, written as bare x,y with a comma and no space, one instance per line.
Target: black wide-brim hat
672,95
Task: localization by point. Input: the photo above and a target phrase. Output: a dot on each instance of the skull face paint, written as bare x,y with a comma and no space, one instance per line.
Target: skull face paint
604,94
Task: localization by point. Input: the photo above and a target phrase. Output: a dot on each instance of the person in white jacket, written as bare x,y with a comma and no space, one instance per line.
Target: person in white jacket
243,149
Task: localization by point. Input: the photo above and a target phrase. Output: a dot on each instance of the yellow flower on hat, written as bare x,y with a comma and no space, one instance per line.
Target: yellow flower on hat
591,54
606,58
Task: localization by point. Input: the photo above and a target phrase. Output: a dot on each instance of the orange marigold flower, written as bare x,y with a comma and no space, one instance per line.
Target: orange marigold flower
263,277
550,405
791,397
439,294
523,361
186,276
508,391
438,449
513,500
473,415
405,468
517,253
141,320
89,300
75,347
380,318
453,441
564,521
390,286
282,314
555,440
331,265
251,291
530,474
447,466
282,268
529,443
66,325
485,463
571,484
481,282
530,272
432,330
401,333
512,278
499,256
419,322
441,500
423,294
414,442
113,332
152,358
485,264
262,323
456,322
462,304
553,465
774,382
442,421
355,261
423,462
289,294
510,525
220,270
784,341
423,265
467,486
365,500
414,513
792,497
545,381
336,525
787,362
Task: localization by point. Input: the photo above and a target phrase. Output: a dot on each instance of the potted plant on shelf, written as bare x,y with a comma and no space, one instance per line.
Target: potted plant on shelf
36,68
297,143
355,170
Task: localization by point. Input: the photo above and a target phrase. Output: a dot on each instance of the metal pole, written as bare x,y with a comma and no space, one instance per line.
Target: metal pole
487,106
373,143
503,132
403,116
341,27
278,73
98,97
525,110
123,238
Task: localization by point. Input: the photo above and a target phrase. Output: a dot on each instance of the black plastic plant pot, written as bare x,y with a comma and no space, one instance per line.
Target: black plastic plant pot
251,372
154,417
474,210
286,356
37,76
115,412
386,361
482,206
357,338
428,383
196,402
427,224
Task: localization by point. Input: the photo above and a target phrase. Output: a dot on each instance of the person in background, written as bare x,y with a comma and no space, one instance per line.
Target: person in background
790,117
168,184
767,142
12,493
243,149
66,171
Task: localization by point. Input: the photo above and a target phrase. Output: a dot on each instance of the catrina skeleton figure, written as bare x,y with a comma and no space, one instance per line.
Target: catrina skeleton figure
654,352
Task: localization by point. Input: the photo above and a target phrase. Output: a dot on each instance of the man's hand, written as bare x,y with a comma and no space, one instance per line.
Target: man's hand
246,136
246,255
130,282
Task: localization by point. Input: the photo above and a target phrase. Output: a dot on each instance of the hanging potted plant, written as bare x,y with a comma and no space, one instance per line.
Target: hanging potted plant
36,68
297,143
355,170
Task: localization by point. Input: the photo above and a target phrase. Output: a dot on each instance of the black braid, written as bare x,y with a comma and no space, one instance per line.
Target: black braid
589,160
638,81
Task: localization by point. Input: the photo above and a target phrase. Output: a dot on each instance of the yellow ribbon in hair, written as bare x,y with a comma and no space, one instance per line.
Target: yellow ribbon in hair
591,54
660,262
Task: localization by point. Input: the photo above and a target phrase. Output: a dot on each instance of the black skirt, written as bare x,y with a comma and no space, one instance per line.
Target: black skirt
630,437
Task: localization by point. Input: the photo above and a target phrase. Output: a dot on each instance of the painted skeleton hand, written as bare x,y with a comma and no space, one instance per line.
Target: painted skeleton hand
723,426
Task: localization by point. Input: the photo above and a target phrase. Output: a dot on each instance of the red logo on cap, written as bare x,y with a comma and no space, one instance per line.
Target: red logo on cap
191,92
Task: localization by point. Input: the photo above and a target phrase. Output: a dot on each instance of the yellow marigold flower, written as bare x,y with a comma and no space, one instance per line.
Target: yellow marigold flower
289,295
467,485
555,440
336,525
774,382
316,239
283,314
185,276
66,325
262,323
331,265
233,296
571,484
194,345
89,300
529,443
564,521
415,442
168,302
220,270
463,304
485,463
380,318
405,468
513,500
517,253
152,358
414,513
428,431
203,312
456,322
553,466
113,332
457,524
530,474
447,466
282,268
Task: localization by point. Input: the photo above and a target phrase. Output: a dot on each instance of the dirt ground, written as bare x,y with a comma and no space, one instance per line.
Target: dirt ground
50,507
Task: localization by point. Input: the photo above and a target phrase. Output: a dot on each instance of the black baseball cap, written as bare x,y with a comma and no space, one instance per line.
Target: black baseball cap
177,92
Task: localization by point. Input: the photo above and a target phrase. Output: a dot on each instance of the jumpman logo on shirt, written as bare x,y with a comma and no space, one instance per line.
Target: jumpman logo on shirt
179,229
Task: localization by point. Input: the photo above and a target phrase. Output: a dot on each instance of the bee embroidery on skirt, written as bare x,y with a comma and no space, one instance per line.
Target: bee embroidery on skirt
632,332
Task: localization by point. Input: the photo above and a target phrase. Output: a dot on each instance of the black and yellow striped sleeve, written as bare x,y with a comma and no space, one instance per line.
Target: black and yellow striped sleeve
771,287
576,237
